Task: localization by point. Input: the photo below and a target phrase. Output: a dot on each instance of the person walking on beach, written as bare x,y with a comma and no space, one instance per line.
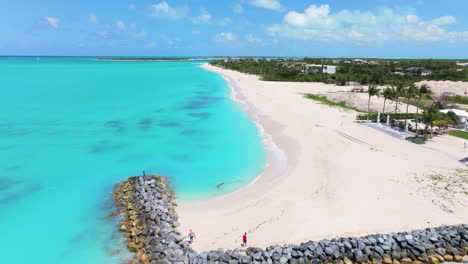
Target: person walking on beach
244,240
191,236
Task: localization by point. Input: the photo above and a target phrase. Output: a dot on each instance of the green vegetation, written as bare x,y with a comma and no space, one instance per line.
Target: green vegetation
459,133
432,117
326,101
447,188
399,75
382,72
383,116
417,140
458,99
372,91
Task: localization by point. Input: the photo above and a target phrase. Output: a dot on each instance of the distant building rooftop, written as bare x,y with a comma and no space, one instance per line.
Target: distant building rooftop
458,112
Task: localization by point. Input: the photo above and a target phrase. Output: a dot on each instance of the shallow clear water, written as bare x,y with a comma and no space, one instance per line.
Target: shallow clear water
70,128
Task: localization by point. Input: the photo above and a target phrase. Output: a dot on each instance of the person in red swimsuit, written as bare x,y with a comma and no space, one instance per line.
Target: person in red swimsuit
244,240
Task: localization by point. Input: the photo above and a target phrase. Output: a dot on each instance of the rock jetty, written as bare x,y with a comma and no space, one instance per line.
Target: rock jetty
150,222
151,225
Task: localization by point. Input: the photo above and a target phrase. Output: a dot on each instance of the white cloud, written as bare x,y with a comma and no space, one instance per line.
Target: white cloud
225,37
203,18
237,8
150,45
412,18
268,4
164,10
444,20
129,29
384,24
93,19
196,32
120,24
318,16
52,21
131,6
253,39
225,21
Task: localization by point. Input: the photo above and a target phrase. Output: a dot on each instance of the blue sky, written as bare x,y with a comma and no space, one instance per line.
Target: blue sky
358,28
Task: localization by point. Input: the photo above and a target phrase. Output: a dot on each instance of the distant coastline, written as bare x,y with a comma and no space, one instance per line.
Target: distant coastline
158,59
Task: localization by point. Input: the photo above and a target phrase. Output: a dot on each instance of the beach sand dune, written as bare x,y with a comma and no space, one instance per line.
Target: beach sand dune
341,178
440,87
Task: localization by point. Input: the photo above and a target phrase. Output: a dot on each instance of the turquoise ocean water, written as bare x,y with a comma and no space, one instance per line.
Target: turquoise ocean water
70,128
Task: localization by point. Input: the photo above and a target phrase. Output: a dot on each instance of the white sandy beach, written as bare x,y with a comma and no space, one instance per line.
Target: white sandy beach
440,87
341,179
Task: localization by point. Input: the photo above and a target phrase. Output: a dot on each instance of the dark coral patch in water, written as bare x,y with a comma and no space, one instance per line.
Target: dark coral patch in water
146,124
6,183
117,124
105,146
169,124
17,195
13,168
189,132
202,102
203,115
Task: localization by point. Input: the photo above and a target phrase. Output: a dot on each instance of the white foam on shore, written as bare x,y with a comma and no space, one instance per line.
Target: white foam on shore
277,160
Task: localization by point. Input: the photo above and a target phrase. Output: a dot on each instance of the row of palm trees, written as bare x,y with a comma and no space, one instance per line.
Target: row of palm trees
396,92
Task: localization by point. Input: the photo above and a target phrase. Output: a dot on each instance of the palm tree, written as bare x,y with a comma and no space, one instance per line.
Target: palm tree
371,91
429,116
410,92
396,93
423,92
387,94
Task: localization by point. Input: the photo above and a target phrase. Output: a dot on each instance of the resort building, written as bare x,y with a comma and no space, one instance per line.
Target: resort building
463,64
330,69
417,71
461,116
359,61
316,68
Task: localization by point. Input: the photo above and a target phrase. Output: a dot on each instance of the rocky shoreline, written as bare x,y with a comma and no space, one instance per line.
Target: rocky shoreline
150,223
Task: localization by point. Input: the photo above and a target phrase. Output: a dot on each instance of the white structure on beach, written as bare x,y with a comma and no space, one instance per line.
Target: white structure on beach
464,64
417,71
330,69
316,68
462,116
359,61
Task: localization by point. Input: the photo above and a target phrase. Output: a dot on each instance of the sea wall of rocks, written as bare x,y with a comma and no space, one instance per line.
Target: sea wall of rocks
151,226
150,220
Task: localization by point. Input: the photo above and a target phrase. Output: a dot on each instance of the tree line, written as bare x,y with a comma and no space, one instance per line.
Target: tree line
404,93
365,74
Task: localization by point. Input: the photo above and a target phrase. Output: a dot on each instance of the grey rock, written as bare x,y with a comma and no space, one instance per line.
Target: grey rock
359,256
257,256
319,251
329,251
440,251
163,261
283,260
347,245
276,256
386,248
379,250
213,256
